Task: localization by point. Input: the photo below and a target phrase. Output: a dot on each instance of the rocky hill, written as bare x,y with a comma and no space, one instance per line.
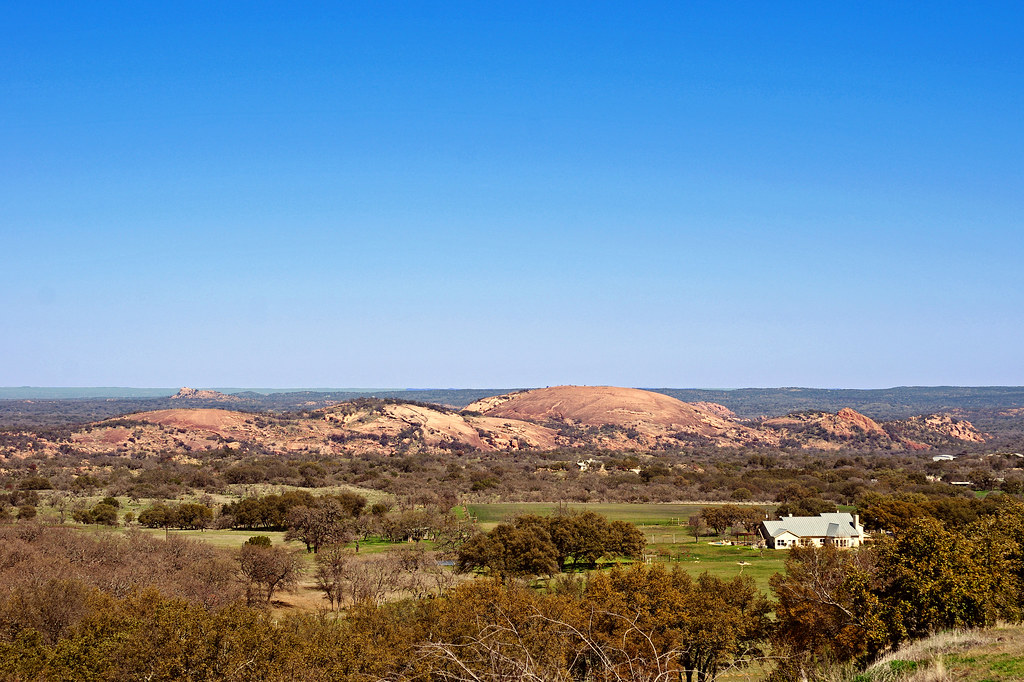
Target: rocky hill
624,418
601,417
363,426
848,428
826,431
631,418
186,394
935,429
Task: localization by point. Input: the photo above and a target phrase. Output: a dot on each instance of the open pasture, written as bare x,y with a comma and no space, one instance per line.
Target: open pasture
641,514
225,539
667,537
723,561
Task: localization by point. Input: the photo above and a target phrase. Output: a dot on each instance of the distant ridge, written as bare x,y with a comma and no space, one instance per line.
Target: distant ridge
76,392
456,397
899,402
73,392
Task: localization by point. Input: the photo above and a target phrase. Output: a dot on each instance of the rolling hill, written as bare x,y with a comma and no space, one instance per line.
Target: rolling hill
561,417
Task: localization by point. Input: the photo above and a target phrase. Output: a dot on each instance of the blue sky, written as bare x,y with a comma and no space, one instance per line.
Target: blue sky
520,194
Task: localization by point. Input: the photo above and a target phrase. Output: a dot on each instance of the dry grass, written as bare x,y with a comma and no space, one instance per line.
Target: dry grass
993,655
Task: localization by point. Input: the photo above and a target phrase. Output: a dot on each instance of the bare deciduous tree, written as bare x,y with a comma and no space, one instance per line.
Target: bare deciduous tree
372,578
264,570
331,564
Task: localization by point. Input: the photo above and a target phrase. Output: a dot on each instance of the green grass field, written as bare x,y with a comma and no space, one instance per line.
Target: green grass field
227,539
665,528
640,514
237,491
721,561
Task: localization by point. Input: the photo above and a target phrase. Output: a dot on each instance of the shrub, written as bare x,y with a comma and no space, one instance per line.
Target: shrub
104,514
258,541
36,483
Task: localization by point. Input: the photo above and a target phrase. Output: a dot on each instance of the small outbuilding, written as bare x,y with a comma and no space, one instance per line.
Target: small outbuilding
839,529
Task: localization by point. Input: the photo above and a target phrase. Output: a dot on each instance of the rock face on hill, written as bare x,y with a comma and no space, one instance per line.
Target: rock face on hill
596,406
186,394
827,431
846,428
628,417
602,417
935,429
363,426
432,428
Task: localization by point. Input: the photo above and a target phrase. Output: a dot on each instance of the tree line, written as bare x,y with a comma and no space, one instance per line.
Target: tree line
533,545
638,623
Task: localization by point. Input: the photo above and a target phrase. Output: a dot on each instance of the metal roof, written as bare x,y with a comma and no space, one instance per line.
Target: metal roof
834,525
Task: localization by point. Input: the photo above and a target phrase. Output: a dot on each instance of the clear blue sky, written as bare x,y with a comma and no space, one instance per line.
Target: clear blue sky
514,194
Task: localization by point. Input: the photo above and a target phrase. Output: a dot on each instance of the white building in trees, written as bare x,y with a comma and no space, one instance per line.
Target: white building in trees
839,529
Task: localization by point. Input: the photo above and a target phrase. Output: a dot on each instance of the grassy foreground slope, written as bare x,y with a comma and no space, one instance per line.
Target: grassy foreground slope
992,655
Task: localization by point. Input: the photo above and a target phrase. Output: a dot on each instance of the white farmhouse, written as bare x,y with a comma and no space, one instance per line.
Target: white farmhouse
839,529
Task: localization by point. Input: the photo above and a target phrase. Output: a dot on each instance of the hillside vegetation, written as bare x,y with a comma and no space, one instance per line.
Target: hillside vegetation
988,655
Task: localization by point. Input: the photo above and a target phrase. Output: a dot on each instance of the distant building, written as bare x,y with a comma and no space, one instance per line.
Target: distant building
943,458
838,529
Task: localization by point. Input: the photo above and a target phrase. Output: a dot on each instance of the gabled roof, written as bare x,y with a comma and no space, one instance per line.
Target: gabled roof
834,525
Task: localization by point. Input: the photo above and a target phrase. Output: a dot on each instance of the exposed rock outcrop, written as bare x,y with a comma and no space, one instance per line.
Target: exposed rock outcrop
603,417
934,429
195,395
643,419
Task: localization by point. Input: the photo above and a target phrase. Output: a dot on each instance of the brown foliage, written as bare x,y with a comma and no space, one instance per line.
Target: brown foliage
265,570
33,555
